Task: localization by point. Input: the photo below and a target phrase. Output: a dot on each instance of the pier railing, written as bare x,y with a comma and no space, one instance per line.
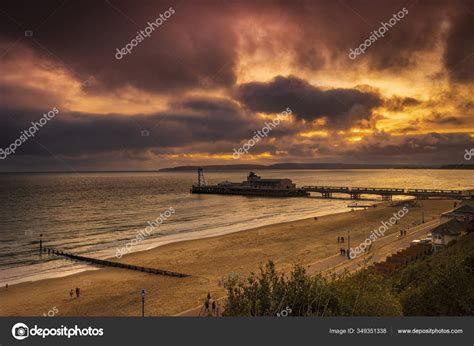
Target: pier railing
386,193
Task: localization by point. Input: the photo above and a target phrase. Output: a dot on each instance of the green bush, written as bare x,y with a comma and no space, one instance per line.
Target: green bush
440,285
270,293
365,293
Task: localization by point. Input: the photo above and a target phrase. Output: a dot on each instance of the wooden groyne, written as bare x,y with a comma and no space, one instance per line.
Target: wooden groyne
113,264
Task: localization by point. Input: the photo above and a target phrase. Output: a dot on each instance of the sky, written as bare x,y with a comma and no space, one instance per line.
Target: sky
200,78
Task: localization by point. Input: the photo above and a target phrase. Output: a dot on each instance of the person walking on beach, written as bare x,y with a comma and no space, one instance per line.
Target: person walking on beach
211,302
213,306
71,293
206,304
342,239
405,232
77,292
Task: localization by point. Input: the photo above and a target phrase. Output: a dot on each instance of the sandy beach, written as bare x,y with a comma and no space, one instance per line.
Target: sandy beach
116,292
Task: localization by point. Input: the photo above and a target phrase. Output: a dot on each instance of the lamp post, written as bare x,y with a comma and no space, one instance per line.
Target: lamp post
349,244
422,212
142,292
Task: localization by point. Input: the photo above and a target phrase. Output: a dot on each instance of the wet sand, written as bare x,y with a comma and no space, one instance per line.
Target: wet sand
116,292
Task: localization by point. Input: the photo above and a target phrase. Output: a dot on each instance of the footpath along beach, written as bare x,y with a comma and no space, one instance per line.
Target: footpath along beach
116,292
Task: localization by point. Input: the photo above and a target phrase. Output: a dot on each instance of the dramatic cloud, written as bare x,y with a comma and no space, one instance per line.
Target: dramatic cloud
398,104
459,54
79,133
215,71
434,148
341,108
437,118
175,56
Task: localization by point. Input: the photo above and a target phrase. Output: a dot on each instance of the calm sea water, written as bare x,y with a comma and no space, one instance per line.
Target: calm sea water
94,213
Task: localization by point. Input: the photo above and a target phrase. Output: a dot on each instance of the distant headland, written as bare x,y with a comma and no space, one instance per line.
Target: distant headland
249,167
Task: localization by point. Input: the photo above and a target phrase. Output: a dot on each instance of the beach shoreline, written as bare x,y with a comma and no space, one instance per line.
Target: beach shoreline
115,292
154,243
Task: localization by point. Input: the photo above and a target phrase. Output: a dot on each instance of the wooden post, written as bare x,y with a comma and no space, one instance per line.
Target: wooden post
349,244
41,243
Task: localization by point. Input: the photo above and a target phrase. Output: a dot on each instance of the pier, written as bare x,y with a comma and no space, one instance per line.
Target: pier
387,193
257,186
112,264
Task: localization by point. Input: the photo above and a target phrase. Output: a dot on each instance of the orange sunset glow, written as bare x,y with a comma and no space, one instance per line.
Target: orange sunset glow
186,96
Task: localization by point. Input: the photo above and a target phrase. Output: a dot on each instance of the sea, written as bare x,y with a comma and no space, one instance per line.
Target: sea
94,214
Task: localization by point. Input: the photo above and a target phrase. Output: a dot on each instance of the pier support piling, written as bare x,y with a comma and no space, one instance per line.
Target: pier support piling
355,195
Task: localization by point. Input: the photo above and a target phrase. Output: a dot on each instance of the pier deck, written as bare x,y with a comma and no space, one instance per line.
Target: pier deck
387,193
355,193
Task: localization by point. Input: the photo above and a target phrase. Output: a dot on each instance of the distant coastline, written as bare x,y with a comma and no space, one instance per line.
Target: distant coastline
311,166
250,167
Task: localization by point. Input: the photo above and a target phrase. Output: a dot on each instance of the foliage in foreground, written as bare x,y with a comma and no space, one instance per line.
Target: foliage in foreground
441,285
270,293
